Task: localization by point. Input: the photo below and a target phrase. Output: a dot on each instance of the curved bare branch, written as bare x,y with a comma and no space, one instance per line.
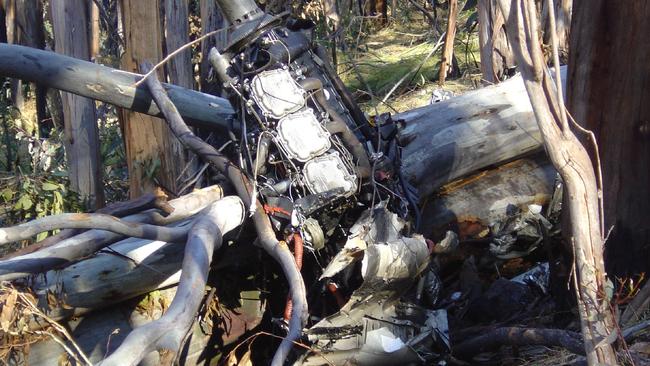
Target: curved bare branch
169,331
91,221
266,235
91,241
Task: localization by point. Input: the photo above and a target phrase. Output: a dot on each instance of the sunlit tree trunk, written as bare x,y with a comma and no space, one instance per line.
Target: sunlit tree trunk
154,155
497,59
24,22
446,63
71,24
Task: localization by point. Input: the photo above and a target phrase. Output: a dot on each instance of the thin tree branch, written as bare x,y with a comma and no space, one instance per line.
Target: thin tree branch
266,235
91,221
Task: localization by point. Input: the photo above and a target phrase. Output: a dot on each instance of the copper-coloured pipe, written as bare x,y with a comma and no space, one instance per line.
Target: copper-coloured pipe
298,250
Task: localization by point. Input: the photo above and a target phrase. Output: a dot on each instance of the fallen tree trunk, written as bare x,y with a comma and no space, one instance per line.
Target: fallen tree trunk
109,85
456,137
170,331
88,243
443,141
513,336
469,206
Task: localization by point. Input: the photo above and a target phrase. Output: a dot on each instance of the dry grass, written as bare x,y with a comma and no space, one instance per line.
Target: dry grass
384,57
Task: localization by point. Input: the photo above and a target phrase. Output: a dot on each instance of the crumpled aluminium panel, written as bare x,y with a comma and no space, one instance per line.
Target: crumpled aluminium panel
374,327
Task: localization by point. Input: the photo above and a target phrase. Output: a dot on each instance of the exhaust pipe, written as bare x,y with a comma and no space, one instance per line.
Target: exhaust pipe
240,11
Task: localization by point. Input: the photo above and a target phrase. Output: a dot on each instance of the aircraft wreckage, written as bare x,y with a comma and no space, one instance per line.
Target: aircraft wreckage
348,212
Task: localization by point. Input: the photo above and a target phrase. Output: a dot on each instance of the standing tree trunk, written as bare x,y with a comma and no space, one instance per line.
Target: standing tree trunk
572,161
71,24
154,155
177,33
3,23
563,10
609,90
25,27
94,26
211,19
446,63
496,53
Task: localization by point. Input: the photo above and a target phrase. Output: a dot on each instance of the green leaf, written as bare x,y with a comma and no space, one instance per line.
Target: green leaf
7,194
48,186
24,203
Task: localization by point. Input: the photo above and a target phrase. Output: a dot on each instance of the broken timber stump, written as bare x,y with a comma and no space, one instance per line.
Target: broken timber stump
456,137
470,205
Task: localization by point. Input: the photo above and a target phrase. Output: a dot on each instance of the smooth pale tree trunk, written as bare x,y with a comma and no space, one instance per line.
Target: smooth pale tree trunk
71,24
95,31
154,155
446,63
608,93
496,53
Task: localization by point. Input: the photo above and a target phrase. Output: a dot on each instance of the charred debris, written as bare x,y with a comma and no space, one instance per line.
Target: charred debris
358,242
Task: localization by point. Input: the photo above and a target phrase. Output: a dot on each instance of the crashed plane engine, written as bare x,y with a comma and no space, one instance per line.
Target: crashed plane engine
303,141
317,165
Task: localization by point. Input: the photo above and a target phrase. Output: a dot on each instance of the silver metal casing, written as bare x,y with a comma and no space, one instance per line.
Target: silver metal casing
302,136
328,172
277,93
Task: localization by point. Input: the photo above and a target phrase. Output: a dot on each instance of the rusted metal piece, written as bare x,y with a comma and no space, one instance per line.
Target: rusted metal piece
470,205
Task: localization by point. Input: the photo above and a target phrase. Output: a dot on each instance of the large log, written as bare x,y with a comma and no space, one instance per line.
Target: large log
109,85
444,141
456,137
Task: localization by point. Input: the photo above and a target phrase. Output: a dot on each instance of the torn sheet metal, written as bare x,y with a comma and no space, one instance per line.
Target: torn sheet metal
377,225
374,327
520,234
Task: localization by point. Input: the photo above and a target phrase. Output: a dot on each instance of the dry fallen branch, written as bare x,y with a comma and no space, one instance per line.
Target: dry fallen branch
15,306
91,221
513,336
170,330
117,209
88,243
574,165
266,235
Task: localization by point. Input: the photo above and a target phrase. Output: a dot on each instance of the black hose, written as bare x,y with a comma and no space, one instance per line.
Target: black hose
348,101
338,125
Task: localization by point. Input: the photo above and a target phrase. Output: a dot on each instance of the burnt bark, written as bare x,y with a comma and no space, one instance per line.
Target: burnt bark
512,336
211,19
608,94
